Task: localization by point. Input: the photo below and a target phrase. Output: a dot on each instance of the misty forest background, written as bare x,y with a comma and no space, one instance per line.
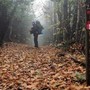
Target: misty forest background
60,61
63,21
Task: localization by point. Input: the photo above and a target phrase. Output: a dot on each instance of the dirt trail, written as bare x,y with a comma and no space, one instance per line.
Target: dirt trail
26,68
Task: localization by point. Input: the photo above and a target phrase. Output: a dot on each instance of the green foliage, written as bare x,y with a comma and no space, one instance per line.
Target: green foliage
80,77
71,15
17,14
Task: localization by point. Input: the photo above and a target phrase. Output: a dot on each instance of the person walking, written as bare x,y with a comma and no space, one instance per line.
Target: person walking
36,30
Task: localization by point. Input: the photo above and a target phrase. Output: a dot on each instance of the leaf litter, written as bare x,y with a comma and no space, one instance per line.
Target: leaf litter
27,68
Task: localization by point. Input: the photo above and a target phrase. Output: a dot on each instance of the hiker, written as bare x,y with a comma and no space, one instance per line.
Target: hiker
36,30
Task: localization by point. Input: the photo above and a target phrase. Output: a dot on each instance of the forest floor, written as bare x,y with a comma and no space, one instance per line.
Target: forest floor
46,68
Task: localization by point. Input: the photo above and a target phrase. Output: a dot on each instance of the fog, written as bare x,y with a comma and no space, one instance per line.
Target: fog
17,17
39,8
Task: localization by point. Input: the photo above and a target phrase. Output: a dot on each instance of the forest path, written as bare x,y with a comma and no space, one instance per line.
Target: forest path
28,68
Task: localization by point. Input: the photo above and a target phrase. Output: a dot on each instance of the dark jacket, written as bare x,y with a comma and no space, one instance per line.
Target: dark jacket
36,29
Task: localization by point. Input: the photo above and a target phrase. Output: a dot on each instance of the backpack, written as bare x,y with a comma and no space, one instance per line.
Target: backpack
39,27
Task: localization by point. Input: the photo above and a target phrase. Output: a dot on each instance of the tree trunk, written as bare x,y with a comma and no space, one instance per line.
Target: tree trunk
65,14
77,29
